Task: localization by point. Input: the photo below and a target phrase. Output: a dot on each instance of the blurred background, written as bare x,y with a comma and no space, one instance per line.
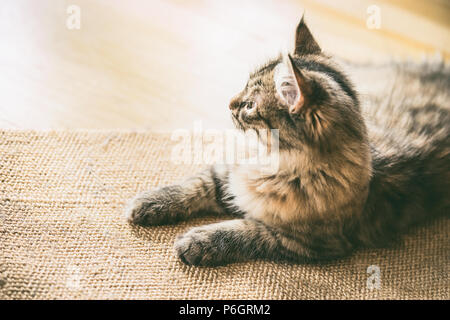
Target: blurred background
161,65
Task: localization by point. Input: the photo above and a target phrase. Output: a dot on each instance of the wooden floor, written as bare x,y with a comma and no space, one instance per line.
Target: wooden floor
161,65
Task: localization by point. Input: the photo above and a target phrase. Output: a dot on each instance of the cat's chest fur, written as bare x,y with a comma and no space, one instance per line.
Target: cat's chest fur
302,190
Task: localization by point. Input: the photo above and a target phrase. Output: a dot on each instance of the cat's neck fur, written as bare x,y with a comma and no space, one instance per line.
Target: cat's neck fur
348,160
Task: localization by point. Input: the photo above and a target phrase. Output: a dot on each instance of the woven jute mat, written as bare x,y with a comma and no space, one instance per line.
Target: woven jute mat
62,235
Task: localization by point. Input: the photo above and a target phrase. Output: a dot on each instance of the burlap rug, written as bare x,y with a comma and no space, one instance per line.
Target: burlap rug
62,235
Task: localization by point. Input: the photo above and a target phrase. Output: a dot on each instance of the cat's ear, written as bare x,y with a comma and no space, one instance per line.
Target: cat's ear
304,41
291,85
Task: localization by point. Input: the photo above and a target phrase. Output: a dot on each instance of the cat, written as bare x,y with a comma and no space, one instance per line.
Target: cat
358,164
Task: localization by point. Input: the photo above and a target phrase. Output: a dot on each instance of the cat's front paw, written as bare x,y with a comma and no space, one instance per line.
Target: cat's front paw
154,207
197,247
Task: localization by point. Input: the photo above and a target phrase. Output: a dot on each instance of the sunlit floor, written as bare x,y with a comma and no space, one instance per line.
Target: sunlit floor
160,65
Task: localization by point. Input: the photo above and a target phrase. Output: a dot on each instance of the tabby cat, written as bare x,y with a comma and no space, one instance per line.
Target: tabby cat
357,165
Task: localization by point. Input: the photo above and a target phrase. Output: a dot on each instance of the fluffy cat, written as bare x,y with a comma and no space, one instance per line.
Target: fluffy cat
358,165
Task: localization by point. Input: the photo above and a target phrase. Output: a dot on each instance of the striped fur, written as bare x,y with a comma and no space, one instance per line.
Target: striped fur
358,165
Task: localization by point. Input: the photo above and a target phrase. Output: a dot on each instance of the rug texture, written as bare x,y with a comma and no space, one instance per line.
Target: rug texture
62,235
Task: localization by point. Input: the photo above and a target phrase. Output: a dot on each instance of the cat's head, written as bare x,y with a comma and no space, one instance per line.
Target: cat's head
305,95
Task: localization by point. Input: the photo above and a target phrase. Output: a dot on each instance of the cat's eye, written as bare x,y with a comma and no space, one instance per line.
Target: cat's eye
249,105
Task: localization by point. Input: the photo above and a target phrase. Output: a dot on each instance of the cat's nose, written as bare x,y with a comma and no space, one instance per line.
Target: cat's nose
234,103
